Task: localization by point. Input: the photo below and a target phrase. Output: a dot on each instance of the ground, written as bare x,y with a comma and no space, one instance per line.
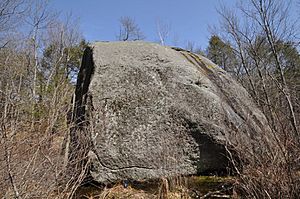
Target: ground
173,188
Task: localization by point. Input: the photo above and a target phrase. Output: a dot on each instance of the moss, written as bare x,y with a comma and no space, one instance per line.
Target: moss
211,179
197,61
205,184
211,66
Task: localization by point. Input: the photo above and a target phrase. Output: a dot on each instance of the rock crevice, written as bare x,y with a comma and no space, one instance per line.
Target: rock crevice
82,87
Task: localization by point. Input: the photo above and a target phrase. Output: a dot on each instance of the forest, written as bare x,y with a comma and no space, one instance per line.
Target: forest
256,42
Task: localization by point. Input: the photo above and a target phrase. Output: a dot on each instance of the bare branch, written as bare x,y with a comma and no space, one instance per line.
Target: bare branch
129,30
163,30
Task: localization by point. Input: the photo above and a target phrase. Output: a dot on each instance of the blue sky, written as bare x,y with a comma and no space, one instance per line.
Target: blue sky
189,19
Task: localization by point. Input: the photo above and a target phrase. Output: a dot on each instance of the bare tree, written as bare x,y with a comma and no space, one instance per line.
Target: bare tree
163,30
231,25
263,37
273,19
31,131
191,46
129,30
39,18
11,12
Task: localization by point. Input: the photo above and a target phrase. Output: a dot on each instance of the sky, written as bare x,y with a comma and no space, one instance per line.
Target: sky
189,20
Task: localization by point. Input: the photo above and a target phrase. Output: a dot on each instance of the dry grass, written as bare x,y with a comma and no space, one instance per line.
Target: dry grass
195,187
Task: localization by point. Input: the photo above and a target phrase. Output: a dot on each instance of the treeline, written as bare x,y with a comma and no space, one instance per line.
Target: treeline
40,53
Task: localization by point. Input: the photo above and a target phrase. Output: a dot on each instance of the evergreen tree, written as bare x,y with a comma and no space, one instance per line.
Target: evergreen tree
221,53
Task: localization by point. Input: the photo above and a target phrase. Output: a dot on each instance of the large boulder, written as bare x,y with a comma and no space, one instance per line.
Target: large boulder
151,111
